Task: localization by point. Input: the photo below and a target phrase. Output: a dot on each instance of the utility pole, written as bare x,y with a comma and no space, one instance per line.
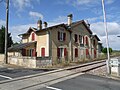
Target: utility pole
107,43
6,32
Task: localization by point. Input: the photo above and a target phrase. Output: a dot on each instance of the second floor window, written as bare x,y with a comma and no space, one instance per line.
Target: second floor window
61,36
86,40
33,36
94,42
76,39
81,39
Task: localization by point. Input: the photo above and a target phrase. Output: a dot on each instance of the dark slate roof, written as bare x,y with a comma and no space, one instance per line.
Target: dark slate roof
20,46
63,25
97,37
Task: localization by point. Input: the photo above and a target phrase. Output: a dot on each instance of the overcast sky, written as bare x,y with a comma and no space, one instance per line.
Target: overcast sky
25,13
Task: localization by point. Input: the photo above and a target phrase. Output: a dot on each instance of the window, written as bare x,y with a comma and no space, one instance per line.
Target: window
61,36
34,52
94,42
65,52
81,39
61,52
94,53
76,52
86,40
42,52
76,38
24,52
33,36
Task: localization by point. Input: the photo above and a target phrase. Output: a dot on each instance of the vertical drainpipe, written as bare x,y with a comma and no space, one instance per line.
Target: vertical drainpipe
50,45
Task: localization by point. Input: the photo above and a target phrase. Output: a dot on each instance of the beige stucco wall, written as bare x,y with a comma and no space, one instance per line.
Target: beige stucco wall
1,57
42,42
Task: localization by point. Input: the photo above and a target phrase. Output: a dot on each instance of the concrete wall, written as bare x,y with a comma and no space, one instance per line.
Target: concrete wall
29,62
1,57
22,61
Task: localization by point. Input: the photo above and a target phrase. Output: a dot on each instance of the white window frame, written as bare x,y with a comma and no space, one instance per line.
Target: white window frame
81,39
61,52
61,36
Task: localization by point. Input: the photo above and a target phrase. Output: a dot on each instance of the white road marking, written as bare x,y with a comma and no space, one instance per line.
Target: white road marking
6,77
53,88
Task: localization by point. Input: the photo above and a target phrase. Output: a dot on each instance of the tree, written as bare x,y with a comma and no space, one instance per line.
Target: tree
2,40
104,50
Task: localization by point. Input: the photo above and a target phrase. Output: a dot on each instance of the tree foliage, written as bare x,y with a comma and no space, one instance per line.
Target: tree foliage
104,50
2,40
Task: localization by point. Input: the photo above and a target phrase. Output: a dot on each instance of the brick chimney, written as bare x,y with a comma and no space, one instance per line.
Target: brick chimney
70,16
39,24
45,24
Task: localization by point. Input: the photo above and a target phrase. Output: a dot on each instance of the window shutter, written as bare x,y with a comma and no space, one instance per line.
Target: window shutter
83,39
94,53
43,52
34,52
86,40
58,35
64,36
65,52
87,52
94,42
58,52
33,36
23,52
76,52
75,37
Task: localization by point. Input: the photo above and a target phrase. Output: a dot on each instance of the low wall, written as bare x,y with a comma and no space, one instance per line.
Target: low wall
1,57
22,61
28,62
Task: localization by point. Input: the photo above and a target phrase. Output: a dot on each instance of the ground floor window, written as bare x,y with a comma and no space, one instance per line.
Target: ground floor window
76,52
61,52
30,52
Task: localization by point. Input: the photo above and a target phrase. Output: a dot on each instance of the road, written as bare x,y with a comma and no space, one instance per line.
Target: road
86,82
10,73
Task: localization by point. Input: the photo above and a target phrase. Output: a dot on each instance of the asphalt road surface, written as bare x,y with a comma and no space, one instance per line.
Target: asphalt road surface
86,82
10,73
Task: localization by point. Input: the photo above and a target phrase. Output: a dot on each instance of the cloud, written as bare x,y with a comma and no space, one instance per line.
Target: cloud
2,23
110,1
36,14
113,28
19,29
113,32
21,4
60,19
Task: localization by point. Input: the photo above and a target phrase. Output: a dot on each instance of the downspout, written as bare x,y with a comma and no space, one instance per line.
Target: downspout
50,45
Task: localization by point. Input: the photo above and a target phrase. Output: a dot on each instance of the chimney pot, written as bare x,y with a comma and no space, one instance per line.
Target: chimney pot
70,16
45,24
39,24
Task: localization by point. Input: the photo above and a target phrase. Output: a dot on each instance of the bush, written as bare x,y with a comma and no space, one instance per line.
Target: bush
104,50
